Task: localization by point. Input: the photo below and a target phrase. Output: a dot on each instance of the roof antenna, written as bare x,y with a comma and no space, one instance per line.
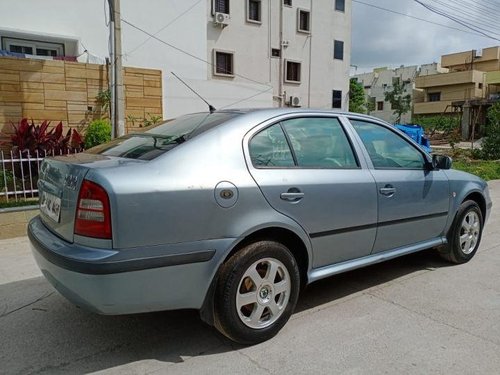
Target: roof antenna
211,108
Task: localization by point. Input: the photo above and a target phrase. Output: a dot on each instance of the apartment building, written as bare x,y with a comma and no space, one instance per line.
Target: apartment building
469,88
250,53
382,80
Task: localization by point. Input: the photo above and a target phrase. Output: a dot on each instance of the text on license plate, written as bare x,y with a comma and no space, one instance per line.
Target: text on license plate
50,205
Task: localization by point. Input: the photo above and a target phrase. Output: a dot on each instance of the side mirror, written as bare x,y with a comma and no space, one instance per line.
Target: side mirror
441,162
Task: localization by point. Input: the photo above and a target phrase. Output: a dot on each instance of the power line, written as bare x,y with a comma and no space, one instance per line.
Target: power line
416,18
476,16
188,53
247,98
163,28
469,17
450,17
269,87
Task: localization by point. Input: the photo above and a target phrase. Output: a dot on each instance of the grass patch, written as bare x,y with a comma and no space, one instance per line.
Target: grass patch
487,170
10,204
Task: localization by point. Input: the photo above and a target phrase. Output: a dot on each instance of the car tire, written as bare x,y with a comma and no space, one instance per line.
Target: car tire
465,233
257,291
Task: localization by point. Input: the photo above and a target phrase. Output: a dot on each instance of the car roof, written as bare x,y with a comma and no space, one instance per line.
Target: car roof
265,113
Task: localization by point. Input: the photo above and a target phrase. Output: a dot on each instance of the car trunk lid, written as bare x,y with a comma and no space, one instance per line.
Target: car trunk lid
59,184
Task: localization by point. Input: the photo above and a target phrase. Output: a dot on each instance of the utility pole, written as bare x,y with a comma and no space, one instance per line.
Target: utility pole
116,76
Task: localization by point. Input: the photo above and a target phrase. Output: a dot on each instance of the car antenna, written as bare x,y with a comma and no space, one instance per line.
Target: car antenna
211,108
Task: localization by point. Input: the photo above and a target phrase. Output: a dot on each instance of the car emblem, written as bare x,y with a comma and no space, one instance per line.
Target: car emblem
71,181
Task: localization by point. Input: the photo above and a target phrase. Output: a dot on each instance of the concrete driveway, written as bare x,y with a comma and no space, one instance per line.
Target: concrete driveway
415,314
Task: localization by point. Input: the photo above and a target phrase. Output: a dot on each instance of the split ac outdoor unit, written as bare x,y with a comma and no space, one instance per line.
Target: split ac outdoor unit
221,19
294,101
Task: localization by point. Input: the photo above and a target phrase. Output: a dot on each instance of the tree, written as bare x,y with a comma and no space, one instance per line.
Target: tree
491,144
400,101
357,100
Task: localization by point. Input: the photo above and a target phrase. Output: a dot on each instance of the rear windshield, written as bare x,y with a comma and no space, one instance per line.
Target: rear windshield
162,138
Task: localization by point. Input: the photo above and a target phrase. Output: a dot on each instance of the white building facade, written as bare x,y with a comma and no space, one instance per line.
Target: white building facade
246,53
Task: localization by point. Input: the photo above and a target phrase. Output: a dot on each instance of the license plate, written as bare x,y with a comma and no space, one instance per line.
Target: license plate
50,205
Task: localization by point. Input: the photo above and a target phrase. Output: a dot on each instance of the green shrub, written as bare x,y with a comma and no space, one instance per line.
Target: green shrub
431,124
491,143
98,132
7,175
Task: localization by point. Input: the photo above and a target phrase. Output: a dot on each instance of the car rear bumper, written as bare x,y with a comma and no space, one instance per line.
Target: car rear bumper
130,280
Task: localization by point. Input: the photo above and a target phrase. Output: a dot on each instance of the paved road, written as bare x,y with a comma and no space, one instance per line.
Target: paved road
415,314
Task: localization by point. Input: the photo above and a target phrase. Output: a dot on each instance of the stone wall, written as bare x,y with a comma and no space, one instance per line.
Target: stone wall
66,91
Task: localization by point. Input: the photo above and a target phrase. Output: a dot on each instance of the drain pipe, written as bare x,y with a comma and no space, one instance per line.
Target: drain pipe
282,50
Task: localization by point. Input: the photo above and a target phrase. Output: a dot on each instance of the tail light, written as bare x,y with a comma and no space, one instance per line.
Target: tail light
93,216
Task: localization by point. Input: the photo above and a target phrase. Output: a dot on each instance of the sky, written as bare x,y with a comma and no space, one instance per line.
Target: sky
381,38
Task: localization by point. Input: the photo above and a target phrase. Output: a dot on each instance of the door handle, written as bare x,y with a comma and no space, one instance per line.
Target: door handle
292,195
388,190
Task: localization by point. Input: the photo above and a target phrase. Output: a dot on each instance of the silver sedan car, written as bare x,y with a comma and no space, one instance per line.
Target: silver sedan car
233,212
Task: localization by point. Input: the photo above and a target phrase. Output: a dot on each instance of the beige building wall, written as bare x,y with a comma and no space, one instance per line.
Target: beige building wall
486,60
457,85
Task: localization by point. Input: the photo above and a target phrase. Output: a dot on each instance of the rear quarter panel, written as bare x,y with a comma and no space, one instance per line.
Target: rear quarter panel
171,199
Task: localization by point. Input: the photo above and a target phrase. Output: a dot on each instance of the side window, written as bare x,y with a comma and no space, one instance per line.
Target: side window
269,148
386,148
320,143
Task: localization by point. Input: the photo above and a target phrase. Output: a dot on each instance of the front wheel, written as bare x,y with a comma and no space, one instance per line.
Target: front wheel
257,291
465,234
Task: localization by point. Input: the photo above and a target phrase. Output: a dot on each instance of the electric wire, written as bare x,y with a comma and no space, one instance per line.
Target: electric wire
455,19
478,20
188,53
476,16
164,27
416,18
152,36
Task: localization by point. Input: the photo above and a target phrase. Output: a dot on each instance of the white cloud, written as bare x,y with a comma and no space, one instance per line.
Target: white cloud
381,38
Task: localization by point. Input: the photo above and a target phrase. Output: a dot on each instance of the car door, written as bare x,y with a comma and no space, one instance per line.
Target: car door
308,170
413,200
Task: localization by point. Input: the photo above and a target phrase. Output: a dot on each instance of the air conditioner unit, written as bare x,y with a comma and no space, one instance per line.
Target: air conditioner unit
222,19
294,101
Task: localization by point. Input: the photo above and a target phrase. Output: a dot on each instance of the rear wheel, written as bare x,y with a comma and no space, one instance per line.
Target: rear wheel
465,234
257,292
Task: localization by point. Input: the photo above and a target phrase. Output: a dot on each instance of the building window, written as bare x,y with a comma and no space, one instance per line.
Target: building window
380,106
292,72
254,11
435,97
275,52
303,20
337,99
224,63
33,47
479,85
340,5
338,50
221,6
287,2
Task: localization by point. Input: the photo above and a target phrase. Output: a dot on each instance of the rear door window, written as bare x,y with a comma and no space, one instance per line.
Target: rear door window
270,148
320,142
306,142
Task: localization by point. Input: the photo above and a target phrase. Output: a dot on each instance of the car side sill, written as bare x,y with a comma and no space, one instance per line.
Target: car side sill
320,273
